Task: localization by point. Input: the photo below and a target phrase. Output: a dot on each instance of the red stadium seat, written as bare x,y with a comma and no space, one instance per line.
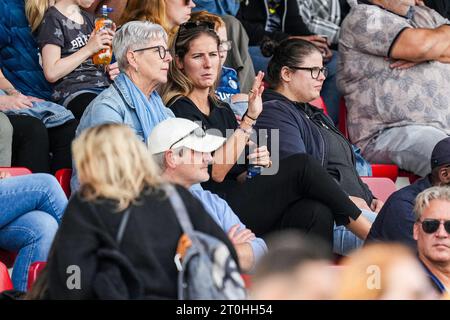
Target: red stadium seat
5,280
385,171
247,280
320,103
343,118
381,188
16,171
63,176
33,273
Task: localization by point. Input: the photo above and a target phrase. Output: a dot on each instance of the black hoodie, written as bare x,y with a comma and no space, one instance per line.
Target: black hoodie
253,15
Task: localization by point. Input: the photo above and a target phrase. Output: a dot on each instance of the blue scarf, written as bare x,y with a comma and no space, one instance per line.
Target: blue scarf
150,110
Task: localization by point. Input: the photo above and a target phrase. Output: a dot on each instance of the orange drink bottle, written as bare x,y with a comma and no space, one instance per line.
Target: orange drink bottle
104,56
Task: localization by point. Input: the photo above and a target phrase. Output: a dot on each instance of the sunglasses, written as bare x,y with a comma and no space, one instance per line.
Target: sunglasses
161,51
432,225
193,25
198,132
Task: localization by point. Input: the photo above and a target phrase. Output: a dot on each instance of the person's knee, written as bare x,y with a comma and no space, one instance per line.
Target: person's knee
46,180
43,229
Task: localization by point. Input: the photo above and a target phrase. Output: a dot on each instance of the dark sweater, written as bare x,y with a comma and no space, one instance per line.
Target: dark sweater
304,128
150,241
253,16
396,219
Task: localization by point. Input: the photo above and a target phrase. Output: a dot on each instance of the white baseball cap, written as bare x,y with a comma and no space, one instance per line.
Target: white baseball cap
179,132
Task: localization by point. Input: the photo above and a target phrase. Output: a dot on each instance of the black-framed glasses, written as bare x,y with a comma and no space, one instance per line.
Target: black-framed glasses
432,225
161,51
198,132
225,45
315,71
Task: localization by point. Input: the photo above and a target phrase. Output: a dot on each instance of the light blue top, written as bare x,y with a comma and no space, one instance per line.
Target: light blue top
124,105
221,212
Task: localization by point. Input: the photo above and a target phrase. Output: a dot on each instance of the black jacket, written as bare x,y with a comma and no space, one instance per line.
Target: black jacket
441,6
299,132
150,241
253,16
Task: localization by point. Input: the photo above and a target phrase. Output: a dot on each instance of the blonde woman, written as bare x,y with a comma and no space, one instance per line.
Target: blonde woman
117,173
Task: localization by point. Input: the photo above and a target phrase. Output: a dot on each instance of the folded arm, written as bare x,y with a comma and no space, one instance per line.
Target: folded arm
420,45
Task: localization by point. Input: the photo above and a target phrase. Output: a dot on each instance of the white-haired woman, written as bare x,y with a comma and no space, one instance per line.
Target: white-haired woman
141,51
116,175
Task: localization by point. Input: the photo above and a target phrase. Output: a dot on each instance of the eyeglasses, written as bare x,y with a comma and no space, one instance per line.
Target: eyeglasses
225,45
432,225
315,71
198,132
161,51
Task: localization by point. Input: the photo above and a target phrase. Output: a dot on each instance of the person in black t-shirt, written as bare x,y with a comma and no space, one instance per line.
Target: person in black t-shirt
67,41
293,197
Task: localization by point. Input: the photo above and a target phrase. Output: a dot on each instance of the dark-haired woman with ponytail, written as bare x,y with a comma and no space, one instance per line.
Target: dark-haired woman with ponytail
300,195
296,74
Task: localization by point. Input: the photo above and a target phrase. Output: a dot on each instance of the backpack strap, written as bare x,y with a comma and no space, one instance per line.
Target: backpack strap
123,225
181,213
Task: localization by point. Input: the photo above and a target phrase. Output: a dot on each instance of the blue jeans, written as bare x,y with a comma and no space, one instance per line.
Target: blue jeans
31,208
330,92
345,241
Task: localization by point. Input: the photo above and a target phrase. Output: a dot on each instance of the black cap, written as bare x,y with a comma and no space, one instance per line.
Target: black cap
441,153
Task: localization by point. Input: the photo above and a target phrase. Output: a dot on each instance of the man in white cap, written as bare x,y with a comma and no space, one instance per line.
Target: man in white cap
183,151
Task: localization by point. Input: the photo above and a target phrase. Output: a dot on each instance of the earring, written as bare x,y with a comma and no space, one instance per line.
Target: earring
136,68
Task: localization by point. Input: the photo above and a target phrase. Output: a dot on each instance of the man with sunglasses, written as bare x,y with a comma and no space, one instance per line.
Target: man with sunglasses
396,219
183,151
432,233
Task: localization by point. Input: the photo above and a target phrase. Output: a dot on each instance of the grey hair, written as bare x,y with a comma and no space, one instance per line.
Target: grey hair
434,193
160,160
134,35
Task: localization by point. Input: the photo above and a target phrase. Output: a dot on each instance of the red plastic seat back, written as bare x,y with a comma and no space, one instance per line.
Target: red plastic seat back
16,171
33,273
63,176
343,118
381,188
5,280
385,171
320,103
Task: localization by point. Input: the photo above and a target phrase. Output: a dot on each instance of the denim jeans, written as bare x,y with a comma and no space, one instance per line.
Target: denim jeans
31,208
345,241
330,92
